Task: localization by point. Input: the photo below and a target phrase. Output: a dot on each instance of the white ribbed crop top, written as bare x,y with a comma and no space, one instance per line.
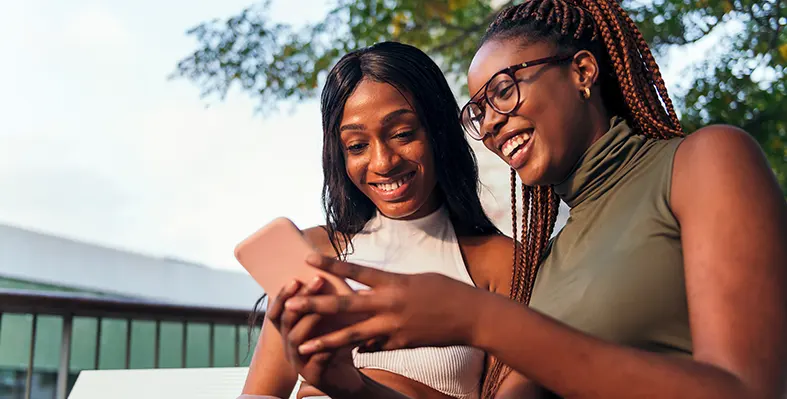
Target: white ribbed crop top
428,244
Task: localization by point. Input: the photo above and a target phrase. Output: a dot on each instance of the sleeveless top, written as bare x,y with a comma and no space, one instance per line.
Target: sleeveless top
424,245
615,271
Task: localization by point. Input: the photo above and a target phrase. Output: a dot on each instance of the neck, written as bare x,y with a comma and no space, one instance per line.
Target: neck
432,204
602,164
597,120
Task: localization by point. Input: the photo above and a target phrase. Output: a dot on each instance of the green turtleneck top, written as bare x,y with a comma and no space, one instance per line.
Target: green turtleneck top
615,271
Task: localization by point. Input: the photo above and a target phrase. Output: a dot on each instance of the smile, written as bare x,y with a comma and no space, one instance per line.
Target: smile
391,190
515,144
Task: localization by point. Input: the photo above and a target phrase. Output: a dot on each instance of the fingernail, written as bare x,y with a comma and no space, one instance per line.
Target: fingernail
295,304
292,286
315,283
309,347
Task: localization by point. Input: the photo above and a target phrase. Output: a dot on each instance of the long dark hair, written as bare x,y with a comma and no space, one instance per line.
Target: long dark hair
411,71
631,87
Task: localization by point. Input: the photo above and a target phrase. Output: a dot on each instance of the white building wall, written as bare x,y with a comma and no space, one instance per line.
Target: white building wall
31,256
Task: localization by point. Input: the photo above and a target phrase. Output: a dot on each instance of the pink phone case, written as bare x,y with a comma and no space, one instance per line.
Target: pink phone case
276,254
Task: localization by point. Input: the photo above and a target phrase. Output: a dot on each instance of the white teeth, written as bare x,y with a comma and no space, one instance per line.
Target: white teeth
514,142
391,186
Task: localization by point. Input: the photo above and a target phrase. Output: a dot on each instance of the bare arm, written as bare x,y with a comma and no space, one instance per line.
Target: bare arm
269,372
490,261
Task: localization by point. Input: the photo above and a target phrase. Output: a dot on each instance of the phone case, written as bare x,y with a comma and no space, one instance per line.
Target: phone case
276,254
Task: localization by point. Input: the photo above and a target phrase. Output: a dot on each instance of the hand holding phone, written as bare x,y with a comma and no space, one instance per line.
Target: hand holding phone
276,254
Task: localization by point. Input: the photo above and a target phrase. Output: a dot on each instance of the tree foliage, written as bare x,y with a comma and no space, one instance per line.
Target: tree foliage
742,82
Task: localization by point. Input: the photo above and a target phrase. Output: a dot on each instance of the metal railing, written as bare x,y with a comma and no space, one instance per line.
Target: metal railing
69,305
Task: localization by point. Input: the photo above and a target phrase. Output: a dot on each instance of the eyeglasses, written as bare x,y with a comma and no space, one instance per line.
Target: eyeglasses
501,92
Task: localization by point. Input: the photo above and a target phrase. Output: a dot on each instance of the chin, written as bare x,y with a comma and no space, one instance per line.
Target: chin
400,210
532,175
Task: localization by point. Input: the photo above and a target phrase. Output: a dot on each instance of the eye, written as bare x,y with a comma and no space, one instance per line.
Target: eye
356,148
404,135
505,91
478,114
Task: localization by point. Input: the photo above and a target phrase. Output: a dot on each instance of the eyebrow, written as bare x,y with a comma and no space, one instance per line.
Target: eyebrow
386,120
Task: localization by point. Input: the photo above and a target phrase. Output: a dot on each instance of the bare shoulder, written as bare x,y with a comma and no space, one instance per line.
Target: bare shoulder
717,143
318,237
721,160
490,260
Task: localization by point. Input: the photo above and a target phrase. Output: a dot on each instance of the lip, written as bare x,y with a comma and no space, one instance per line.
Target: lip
503,137
521,155
396,194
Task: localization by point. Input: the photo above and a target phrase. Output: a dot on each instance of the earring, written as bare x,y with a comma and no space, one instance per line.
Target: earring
585,93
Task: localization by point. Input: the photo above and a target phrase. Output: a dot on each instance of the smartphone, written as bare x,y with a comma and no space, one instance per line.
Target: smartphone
276,254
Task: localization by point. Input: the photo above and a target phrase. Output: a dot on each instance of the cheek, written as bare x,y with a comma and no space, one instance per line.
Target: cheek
550,113
430,174
421,154
356,169
490,144
537,105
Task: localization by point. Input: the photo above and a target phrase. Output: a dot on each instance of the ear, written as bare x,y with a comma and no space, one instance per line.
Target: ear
585,68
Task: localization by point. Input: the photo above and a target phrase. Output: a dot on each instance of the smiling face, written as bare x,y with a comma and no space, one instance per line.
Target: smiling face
551,127
387,152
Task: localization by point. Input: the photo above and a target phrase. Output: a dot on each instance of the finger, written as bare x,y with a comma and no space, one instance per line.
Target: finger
314,286
277,307
288,320
362,274
303,329
333,304
317,360
372,345
348,336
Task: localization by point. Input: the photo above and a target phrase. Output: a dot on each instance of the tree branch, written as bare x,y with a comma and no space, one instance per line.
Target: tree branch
453,42
472,29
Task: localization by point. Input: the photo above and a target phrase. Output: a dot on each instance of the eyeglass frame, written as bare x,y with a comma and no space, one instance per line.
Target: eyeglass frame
510,71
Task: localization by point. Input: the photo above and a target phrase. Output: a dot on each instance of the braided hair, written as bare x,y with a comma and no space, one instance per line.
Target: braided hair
631,86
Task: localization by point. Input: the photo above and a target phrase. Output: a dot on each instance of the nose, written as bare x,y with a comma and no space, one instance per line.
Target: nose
493,121
384,159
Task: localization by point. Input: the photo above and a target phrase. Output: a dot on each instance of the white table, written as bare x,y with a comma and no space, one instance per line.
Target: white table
195,383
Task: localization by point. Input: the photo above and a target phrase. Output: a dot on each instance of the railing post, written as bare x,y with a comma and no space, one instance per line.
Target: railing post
98,341
65,357
29,377
184,345
128,343
210,344
157,345
237,345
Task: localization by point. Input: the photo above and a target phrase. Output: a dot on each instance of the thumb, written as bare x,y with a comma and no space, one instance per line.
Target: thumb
318,261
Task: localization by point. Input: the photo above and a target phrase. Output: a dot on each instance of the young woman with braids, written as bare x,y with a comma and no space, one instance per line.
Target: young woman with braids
393,147
669,279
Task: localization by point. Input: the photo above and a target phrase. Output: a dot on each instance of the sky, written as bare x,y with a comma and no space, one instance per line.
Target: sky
97,145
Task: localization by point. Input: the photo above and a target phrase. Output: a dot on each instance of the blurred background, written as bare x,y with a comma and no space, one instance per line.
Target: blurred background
140,141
